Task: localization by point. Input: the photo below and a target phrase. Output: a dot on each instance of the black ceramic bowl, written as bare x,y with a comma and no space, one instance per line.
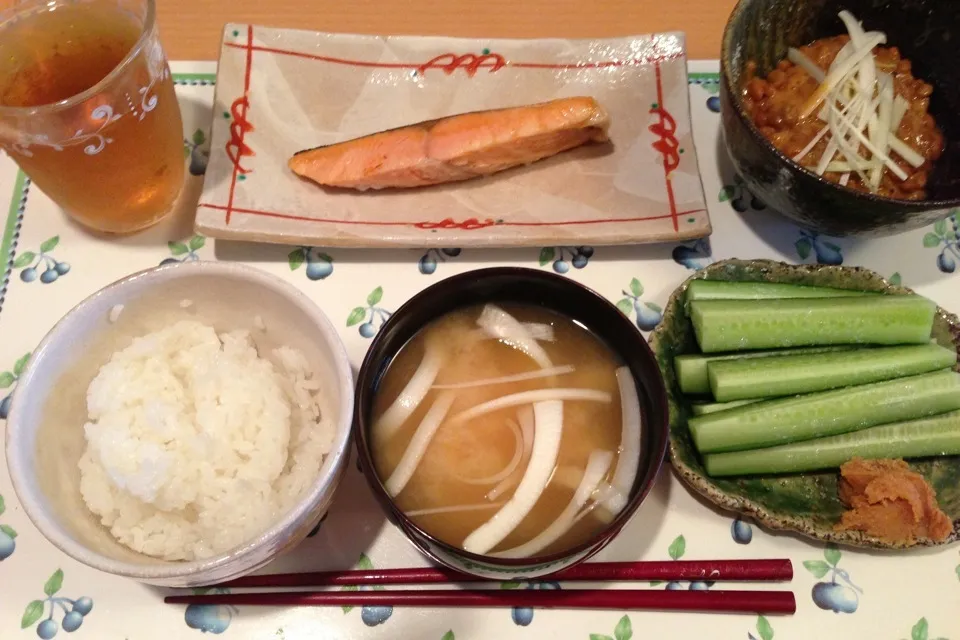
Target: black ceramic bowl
553,292
925,31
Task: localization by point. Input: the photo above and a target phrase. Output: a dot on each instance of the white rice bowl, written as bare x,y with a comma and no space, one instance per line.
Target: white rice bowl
300,352
196,443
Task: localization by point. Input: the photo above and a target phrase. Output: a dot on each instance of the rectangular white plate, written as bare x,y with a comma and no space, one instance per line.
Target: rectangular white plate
281,90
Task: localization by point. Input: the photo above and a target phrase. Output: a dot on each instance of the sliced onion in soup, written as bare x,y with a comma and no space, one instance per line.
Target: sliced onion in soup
567,476
533,396
605,492
511,466
548,429
503,326
540,331
525,418
517,377
456,508
597,466
413,393
418,443
629,459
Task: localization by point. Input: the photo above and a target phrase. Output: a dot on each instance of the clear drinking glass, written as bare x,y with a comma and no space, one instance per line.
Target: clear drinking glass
88,109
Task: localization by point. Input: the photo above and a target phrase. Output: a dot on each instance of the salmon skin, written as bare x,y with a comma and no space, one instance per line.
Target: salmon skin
455,148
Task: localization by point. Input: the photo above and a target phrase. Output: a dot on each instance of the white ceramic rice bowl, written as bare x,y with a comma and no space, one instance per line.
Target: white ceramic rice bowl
45,427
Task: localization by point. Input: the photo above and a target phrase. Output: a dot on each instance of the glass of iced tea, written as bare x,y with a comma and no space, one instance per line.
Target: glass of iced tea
88,109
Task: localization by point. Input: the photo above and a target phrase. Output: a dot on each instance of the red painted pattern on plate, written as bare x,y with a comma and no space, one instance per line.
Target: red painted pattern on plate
666,144
236,148
470,62
466,61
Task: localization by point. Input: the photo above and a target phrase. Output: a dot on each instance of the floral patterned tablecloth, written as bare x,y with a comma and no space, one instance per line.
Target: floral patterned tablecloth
50,265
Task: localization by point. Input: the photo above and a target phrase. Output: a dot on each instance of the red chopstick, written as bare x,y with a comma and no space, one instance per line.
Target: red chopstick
760,602
680,570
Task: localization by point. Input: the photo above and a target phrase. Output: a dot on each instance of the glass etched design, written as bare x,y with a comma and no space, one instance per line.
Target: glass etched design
88,109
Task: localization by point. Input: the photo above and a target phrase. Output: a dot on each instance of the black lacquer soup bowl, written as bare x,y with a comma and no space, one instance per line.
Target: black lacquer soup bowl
558,294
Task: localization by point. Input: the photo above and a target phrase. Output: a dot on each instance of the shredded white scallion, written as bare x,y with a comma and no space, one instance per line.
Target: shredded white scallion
805,63
858,134
840,72
857,101
839,166
900,107
881,132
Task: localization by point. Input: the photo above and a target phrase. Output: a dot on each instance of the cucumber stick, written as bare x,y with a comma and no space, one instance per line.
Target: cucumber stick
692,369
702,408
794,374
737,325
725,290
827,413
936,436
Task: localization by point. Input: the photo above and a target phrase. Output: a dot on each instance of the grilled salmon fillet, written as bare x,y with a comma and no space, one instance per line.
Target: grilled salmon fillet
455,148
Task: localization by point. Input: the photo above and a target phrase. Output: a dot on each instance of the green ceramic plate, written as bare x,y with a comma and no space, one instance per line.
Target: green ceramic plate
805,503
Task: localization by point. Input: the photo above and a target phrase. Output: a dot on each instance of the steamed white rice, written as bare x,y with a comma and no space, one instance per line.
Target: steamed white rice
196,443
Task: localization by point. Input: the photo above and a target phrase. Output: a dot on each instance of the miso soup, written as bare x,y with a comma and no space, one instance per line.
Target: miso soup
508,430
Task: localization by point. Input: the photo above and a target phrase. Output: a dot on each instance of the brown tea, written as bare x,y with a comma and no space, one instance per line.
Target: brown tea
113,159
